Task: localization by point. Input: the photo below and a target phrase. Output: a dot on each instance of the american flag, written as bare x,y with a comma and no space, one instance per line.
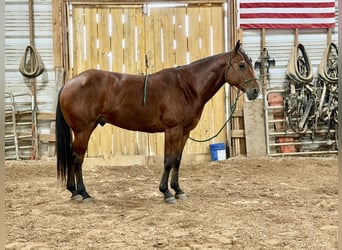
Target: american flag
279,14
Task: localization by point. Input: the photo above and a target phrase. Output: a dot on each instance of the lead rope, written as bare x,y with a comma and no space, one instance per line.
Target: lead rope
146,80
232,109
145,89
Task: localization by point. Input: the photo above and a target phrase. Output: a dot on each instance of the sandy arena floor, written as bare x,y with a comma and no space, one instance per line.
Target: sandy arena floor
241,203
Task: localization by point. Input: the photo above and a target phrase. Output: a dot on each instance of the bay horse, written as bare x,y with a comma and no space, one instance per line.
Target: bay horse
175,99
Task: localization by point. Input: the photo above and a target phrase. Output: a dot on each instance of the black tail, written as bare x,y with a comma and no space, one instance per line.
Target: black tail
63,144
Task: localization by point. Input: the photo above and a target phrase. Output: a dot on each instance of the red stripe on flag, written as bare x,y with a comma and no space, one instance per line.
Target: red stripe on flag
286,26
288,5
288,15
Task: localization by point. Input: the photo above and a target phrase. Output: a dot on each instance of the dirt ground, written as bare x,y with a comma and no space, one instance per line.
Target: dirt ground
240,203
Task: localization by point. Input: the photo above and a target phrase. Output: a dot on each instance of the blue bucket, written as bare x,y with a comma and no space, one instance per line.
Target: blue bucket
218,151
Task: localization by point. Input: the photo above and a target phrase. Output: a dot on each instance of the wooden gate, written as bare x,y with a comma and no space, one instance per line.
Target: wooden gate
139,40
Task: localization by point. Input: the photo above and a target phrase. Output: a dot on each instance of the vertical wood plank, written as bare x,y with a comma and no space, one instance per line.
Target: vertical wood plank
204,128
104,39
195,50
91,36
180,36
168,37
150,42
116,39
141,42
218,101
128,35
78,44
57,6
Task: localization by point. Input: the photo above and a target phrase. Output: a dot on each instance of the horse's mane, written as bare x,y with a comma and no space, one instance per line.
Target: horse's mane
199,61
209,58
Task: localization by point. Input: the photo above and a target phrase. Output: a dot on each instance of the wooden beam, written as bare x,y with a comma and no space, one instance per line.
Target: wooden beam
47,137
329,36
263,38
41,116
296,36
57,33
238,113
49,116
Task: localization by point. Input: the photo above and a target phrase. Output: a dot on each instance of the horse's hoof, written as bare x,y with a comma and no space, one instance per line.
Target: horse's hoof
170,200
182,197
77,197
87,200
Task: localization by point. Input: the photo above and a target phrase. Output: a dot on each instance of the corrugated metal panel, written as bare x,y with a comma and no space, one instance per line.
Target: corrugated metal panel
16,40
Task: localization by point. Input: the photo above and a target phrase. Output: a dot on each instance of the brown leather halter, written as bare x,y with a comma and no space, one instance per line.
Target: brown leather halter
246,82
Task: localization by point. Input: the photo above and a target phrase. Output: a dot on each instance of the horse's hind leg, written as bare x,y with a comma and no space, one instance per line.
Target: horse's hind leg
71,183
79,177
75,178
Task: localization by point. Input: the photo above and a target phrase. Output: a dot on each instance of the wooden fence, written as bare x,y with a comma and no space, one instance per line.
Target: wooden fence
125,39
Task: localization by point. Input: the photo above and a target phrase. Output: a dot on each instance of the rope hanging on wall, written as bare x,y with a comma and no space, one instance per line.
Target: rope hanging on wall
33,65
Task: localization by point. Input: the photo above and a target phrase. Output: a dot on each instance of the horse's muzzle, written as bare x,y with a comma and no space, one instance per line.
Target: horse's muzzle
252,93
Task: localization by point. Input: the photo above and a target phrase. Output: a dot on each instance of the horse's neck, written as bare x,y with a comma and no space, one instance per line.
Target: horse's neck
209,76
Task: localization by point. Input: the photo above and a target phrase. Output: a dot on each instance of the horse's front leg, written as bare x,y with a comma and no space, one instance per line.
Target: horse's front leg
175,173
175,183
164,186
172,158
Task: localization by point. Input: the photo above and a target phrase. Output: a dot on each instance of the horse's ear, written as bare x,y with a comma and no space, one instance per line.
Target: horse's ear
237,46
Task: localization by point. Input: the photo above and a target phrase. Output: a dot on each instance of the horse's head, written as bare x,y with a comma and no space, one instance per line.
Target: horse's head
240,72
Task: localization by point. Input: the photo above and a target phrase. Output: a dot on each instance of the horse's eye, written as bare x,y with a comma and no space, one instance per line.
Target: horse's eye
242,65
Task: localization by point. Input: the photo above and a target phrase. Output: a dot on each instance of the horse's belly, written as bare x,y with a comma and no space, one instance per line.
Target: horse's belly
136,123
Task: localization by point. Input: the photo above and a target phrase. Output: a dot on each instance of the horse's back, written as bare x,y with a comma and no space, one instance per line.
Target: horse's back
89,78
90,86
